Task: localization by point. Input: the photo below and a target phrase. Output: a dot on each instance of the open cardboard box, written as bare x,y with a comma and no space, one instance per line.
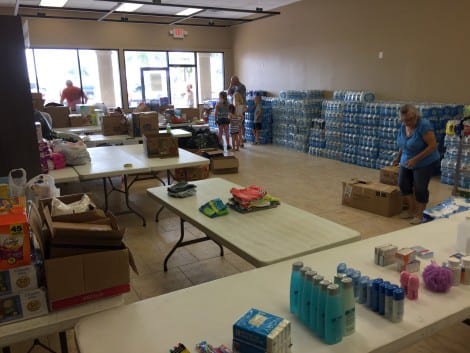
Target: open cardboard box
374,197
92,272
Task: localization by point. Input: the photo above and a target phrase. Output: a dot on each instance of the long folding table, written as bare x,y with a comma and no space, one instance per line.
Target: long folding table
128,160
208,311
262,237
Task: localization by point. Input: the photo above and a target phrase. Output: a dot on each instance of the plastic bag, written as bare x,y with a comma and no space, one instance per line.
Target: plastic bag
17,182
83,205
75,153
42,186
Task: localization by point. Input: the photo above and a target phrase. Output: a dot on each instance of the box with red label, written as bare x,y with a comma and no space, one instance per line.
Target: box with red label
15,246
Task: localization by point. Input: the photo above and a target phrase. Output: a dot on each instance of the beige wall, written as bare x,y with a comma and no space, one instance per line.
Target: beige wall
334,44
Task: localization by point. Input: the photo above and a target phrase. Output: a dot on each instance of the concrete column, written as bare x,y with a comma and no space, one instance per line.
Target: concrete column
105,71
204,72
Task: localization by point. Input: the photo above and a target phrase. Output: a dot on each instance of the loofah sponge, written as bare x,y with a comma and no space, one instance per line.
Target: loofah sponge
437,278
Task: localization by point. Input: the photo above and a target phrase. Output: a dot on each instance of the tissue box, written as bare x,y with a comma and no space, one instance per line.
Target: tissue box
258,331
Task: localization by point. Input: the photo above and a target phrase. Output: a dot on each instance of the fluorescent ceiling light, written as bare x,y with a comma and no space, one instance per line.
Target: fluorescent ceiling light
188,12
128,7
53,3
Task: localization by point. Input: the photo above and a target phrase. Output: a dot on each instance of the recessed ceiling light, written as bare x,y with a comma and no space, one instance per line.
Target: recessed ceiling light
128,7
53,3
188,12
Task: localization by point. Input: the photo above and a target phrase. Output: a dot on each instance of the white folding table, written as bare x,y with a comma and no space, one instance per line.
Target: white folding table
64,175
208,311
110,161
262,237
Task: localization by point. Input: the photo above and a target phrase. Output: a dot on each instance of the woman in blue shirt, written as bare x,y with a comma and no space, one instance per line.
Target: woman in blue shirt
418,158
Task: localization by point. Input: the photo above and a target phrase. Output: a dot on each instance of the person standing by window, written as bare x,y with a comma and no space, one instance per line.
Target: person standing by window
73,95
418,159
222,120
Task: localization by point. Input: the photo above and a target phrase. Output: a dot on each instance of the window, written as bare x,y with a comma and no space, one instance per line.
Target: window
95,71
189,77
181,58
136,64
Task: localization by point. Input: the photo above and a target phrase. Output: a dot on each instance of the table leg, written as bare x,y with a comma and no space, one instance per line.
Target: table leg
180,243
105,195
63,342
157,215
126,196
126,191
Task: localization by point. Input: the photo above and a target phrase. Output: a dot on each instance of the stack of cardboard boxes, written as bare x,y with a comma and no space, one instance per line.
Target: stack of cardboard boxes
85,258
382,197
20,294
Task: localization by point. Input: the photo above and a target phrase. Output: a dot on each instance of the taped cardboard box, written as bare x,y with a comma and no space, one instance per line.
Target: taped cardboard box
148,122
374,197
24,305
224,165
160,145
389,175
89,273
78,120
192,173
114,125
74,280
59,115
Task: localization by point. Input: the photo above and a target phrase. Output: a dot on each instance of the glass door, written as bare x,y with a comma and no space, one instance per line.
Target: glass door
154,85
183,86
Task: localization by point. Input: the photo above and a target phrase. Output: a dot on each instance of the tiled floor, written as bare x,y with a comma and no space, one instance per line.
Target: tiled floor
310,183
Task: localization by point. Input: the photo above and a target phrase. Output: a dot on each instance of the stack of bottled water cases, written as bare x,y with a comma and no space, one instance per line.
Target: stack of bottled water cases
449,162
331,114
297,120
353,96
438,115
210,104
267,118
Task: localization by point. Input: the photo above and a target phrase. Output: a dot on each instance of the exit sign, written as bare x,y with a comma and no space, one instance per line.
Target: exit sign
178,33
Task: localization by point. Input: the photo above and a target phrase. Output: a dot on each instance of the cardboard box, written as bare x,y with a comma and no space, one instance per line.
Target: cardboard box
389,175
18,279
192,173
89,274
114,125
38,101
59,115
224,165
78,279
190,114
77,120
374,197
160,145
24,305
212,153
148,122
81,217
15,244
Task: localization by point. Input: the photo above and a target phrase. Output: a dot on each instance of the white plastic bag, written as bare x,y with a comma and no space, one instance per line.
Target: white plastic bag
83,205
42,186
17,182
75,153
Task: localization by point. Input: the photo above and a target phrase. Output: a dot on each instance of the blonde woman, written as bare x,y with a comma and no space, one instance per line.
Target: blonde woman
240,109
418,159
